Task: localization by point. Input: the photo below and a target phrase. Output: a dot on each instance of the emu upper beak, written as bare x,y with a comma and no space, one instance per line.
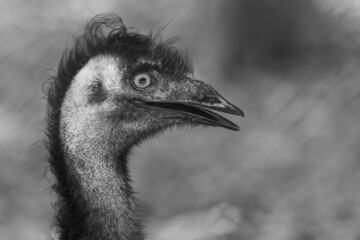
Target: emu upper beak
194,99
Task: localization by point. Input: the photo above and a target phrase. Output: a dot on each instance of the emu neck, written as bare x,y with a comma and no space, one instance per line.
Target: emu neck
106,196
101,194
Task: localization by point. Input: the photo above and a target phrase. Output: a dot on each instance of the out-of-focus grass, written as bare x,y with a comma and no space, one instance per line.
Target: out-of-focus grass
291,173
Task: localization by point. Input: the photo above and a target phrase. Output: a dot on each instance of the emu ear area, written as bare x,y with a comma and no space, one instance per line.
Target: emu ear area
88,101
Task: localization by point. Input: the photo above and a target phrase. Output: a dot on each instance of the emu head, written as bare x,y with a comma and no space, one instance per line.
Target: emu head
131,86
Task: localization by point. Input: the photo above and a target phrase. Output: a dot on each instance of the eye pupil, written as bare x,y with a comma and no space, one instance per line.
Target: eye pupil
142,81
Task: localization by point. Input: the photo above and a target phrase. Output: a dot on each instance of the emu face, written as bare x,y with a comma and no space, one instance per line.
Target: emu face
107,97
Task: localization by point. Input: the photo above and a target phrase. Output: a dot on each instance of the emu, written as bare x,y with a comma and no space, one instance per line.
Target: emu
113,89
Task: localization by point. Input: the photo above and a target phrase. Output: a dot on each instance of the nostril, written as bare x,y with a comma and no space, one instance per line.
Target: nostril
210,99
199,98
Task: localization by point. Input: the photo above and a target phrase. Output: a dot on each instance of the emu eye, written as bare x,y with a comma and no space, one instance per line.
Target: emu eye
142,81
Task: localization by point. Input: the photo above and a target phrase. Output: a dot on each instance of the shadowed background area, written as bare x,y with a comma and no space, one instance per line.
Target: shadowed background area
292,173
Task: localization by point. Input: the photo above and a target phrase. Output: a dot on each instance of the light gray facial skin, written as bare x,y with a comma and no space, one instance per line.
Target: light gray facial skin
84,124
80,119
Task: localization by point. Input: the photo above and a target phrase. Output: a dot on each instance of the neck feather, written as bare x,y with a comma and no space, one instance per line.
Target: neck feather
96,200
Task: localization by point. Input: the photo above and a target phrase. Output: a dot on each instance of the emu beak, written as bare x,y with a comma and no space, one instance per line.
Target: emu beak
194,99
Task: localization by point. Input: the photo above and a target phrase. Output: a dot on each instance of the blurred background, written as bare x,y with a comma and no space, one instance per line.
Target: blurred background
292,173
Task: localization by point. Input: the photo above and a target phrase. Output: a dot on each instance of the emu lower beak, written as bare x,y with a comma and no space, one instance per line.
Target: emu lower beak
194,99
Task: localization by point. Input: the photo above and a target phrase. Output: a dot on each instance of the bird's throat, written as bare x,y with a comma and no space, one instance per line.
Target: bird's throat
101,194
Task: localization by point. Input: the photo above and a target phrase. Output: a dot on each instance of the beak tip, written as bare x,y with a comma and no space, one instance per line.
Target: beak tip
241,113
233,127
236,129
235,110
